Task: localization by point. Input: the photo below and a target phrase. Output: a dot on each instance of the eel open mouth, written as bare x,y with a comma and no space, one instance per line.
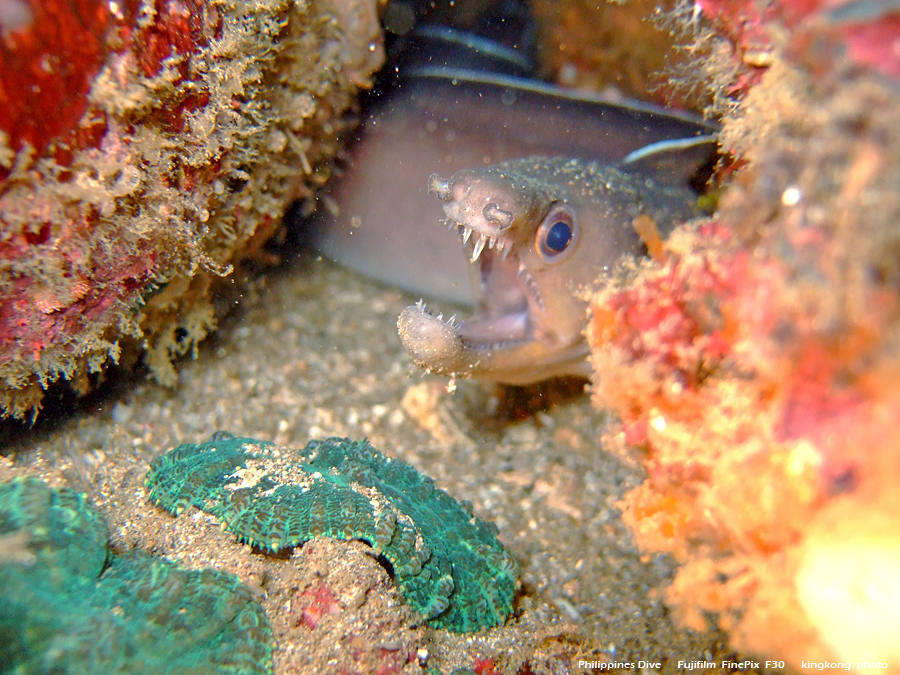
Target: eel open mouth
503,341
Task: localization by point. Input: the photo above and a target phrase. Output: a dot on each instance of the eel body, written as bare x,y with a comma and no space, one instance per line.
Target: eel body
382,222
536,231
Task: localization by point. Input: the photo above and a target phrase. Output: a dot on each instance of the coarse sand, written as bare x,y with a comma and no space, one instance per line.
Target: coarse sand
312,351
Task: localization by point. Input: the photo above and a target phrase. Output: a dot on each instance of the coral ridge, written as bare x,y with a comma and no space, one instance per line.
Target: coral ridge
449,564
65,609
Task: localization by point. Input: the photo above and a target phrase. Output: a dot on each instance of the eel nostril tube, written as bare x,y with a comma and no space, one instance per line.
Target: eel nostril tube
441,187
494,214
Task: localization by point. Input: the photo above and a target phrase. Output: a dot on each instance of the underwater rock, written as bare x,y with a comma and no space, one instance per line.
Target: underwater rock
732,43
607,46
448,563
754,362
146,146
818,34
62,612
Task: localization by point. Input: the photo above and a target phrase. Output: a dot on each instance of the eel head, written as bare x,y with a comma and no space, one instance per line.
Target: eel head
535,230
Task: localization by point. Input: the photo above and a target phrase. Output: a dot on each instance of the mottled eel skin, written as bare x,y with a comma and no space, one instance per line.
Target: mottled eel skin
448,563
537,230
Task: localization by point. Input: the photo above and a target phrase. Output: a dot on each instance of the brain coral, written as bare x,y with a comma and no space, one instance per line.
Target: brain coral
145,147
61,612
448,563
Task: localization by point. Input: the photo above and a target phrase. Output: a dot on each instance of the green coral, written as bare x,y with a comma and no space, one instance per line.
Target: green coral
448,563
64,610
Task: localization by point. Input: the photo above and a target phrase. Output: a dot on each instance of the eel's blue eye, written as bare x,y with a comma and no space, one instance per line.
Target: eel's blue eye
558,236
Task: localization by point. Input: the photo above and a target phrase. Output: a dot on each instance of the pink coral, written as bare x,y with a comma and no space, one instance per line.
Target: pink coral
754,363
313,604
868,33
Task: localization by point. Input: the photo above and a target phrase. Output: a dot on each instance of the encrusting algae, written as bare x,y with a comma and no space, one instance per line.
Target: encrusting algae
754,363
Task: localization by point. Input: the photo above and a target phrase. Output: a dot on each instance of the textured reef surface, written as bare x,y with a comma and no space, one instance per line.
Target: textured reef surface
146,147
448,563
613,46
65,609
754,361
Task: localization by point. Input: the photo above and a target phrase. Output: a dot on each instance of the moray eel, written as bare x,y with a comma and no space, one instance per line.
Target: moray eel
537,231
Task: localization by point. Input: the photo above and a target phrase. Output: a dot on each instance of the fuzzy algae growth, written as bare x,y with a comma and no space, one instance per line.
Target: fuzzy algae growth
448,563
65,609
755,361
146,148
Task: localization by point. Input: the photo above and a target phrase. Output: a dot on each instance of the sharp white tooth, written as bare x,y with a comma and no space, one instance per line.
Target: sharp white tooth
521,271
466,234
491,242
505,252
479,247
452,320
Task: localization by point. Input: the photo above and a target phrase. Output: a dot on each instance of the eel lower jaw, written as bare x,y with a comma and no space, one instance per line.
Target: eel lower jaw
456,347
501,342
446,347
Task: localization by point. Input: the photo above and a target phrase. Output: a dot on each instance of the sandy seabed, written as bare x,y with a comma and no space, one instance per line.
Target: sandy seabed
312,351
